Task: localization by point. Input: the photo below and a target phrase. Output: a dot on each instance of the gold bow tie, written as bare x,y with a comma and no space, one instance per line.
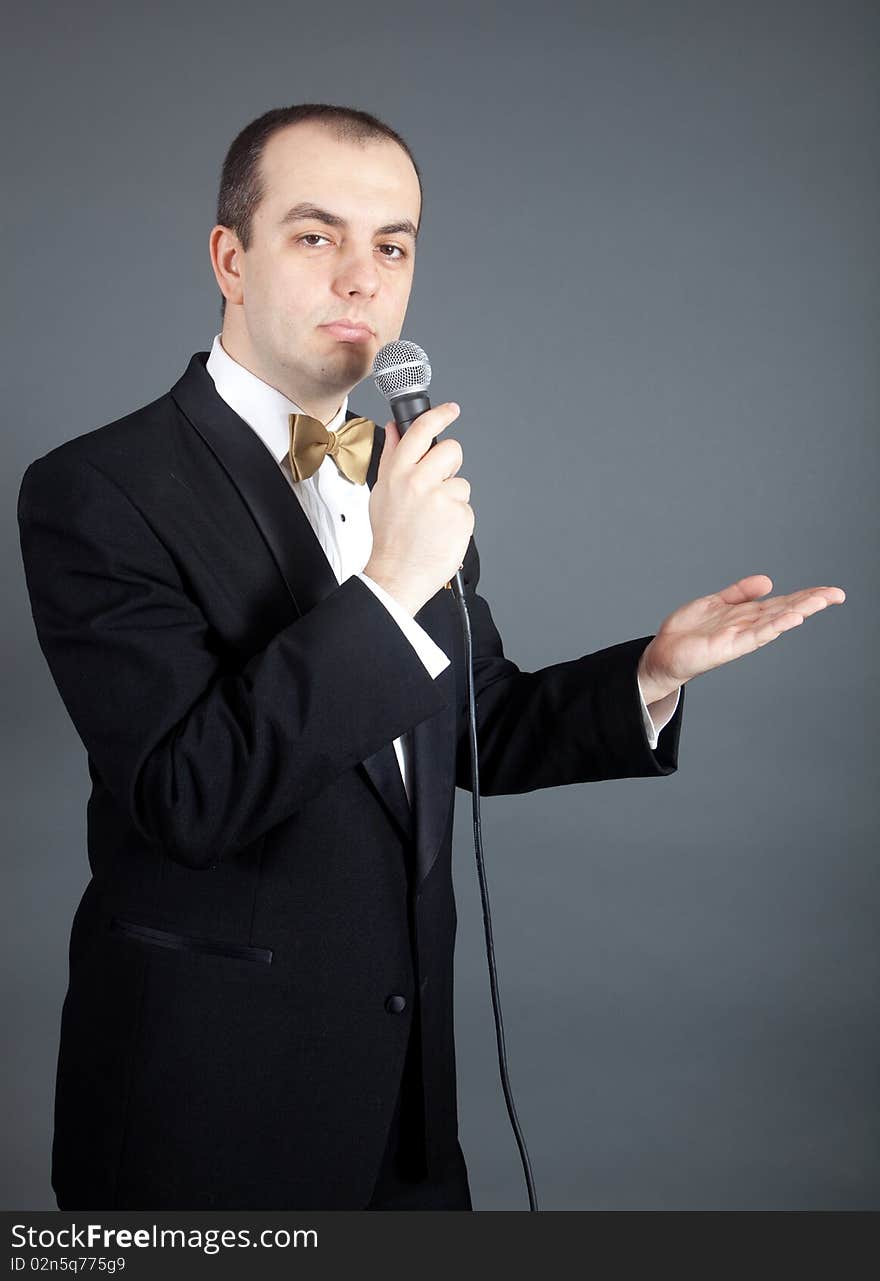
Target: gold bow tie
350,447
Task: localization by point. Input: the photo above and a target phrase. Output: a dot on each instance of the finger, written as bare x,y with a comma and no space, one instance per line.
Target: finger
416,440
793,615
458,487
804,608
810,598
773,627
389,445
745,589
441,462
808,601
830,595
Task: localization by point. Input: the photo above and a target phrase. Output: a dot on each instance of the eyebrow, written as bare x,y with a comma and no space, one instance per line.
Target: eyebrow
304,210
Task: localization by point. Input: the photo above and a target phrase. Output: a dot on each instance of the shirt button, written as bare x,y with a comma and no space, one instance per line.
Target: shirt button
342,515
395,1003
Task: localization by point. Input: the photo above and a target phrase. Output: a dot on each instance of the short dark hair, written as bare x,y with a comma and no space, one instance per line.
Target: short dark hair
241,181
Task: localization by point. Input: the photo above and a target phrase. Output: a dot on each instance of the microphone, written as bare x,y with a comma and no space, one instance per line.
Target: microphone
402,374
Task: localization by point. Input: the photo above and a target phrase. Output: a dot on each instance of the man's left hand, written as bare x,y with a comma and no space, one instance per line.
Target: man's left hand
713,630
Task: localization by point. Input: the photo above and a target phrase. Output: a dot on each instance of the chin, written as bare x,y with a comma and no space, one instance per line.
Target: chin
358,354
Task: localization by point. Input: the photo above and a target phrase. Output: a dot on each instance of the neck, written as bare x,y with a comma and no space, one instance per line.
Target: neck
320,403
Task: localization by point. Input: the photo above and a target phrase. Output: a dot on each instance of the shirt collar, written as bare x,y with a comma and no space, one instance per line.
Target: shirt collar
265,409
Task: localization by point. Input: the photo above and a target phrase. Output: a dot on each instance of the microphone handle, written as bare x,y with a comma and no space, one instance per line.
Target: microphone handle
406,410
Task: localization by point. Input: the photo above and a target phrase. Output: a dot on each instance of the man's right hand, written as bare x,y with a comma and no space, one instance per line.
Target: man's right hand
419,510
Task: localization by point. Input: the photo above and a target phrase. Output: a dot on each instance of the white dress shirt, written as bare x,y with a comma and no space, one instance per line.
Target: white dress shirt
338,511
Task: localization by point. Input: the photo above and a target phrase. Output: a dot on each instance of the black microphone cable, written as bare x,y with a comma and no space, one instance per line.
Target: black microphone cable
402,374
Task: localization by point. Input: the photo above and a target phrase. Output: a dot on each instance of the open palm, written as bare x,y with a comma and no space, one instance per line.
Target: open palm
713,630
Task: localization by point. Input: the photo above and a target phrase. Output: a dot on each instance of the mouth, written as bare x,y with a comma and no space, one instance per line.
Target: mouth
349,330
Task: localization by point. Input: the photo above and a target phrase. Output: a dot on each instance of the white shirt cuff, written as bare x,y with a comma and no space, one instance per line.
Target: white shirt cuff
430,653
663,712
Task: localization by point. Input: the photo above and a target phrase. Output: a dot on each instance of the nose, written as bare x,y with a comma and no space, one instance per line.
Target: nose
357,274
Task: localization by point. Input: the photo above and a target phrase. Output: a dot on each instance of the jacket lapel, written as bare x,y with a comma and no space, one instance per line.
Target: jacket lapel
309,578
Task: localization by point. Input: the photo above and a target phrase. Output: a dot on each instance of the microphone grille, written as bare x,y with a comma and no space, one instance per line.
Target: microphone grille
400,368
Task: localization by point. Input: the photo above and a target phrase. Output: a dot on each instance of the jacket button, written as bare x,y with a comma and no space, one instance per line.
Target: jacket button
395,1003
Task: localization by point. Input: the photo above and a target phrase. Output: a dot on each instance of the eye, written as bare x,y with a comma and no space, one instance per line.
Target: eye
397,256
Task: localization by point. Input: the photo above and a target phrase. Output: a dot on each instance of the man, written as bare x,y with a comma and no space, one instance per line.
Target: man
240,592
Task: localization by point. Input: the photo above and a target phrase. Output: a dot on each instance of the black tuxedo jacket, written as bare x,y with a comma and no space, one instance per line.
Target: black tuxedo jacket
265,915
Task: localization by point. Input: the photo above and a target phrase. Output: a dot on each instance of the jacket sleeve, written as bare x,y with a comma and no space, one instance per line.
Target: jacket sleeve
575,722
427,649
203,754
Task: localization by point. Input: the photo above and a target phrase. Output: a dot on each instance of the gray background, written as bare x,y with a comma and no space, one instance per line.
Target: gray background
649,275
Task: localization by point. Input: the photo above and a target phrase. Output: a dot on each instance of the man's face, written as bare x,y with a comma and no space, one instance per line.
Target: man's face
303,272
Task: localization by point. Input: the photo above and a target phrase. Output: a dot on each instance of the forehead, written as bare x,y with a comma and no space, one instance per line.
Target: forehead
308,162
